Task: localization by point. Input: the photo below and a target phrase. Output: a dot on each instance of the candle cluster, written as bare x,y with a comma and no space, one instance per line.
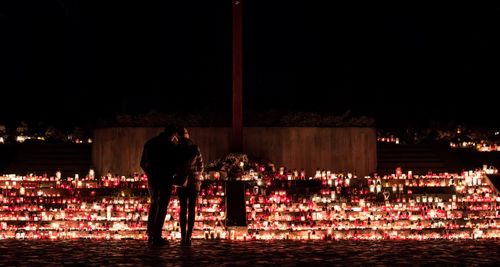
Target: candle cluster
399,206
279,205
388,139
111,207
482,146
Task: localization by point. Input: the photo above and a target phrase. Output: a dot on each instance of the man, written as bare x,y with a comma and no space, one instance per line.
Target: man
190,170
159,162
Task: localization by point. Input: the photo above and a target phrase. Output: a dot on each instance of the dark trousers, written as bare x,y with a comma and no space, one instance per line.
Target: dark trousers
187,199
160,197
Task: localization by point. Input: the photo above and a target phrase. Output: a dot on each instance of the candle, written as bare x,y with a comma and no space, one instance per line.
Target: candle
22,191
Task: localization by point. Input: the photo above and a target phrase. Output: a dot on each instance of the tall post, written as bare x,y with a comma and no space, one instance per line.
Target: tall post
237,142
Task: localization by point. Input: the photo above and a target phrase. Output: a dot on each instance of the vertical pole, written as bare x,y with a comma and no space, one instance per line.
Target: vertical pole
237,142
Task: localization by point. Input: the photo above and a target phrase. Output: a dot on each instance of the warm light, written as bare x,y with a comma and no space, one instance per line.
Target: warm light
22,138
330,213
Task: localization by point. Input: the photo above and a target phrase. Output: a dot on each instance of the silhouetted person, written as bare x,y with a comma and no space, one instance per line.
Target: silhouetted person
191,168
159,161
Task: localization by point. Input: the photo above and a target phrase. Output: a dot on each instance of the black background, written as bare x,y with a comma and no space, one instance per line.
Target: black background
71,62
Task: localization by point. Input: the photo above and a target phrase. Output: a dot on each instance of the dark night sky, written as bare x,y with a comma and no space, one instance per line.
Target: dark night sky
80,60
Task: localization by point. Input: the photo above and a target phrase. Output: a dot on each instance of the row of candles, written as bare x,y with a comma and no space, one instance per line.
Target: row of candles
52,207
388,139
23,138
480,146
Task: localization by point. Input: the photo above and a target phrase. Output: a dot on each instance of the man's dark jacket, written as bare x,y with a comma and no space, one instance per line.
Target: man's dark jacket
158,158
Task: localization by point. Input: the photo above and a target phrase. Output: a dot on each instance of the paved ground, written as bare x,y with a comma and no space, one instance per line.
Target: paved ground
250,253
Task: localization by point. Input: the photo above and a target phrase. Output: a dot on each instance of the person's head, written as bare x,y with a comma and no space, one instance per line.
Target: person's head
183,133
171,131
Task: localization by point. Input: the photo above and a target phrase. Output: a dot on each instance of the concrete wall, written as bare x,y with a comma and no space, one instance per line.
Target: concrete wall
336,148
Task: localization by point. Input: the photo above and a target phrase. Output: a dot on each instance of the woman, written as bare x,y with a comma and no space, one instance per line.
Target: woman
187,189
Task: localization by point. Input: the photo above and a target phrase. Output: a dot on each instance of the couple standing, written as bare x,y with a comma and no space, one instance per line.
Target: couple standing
171,159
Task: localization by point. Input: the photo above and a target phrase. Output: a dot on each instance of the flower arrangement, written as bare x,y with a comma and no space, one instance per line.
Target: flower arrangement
236,165
232,166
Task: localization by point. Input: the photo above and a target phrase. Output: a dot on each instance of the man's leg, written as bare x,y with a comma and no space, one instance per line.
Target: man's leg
163,201
153,210
192,197
183,198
